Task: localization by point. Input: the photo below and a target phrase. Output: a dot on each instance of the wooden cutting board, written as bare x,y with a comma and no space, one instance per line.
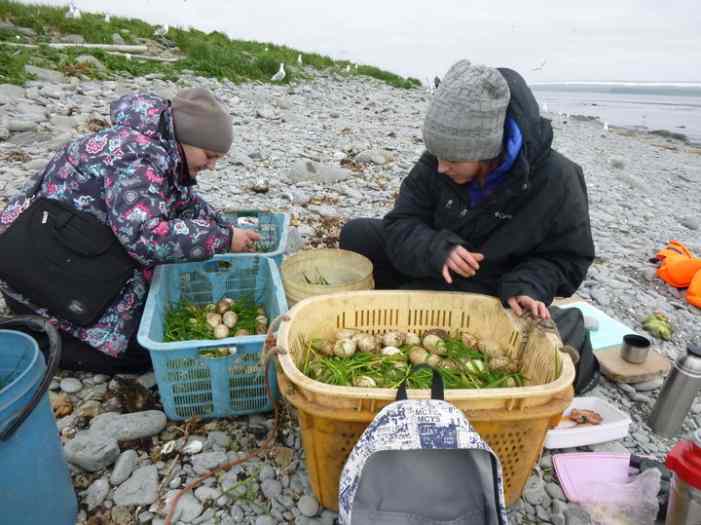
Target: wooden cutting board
615,368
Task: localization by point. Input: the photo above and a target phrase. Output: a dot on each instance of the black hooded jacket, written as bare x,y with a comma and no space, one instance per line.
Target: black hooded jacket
533,230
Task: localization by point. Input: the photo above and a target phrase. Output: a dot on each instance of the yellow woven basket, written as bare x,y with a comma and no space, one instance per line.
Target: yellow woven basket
513,421
340,270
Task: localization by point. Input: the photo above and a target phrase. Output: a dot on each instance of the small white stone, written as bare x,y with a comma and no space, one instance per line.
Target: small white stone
71,385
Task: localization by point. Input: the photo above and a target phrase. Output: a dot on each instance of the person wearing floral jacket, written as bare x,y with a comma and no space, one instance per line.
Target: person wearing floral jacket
137,177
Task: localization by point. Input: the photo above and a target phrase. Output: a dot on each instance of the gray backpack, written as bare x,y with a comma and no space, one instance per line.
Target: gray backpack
420,462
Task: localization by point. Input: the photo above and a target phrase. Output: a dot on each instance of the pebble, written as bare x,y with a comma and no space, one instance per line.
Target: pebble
96,493
267,472
308,506
315,172
576,515
188,508
649,385
125,427
140,489
554,491
206,461
71,385
89,409
91,452
628,389
121,516
641,398
206,493
271,488
123,468
265,520
534,491
48,75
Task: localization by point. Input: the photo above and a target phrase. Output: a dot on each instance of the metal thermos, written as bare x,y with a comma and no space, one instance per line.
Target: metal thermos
678,393
684,504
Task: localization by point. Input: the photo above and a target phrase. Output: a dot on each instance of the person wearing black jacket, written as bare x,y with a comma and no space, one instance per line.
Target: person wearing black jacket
490,207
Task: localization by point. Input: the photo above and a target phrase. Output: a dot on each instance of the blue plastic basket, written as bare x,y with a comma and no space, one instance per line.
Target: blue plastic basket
194,385
272,227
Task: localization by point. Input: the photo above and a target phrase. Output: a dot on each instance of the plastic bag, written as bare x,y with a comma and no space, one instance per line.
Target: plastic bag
633,503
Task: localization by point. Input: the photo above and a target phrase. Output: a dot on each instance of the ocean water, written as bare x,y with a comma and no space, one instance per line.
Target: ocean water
671,106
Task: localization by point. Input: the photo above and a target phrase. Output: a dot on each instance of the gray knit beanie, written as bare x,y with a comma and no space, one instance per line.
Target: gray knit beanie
465,120
201,121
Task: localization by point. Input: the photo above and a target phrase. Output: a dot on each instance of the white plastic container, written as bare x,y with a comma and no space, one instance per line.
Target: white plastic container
614,425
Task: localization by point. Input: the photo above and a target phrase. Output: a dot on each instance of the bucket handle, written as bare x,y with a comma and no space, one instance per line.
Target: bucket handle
37,324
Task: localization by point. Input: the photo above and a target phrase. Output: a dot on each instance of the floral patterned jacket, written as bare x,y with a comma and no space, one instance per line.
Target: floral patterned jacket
132,177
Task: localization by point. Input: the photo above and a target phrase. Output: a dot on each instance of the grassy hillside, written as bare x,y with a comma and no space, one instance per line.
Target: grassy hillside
207,54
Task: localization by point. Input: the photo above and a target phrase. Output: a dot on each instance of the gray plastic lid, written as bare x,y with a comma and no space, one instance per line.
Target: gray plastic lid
694,348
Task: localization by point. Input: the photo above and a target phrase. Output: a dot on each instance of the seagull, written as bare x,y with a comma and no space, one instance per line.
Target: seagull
299,59
107,19
127,56
545,107
539,67
161,30
606,126
348,68
73,11
280,75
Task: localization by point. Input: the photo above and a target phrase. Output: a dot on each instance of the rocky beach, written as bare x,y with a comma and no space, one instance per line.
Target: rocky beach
327,149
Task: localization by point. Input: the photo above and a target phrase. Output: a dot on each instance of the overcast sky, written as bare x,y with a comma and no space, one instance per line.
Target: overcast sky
643,40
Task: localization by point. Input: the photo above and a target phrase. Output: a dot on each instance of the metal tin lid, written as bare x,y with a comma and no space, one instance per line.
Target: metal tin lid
690,361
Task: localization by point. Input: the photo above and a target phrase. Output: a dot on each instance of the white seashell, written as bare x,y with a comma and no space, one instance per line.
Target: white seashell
365,343
213,319
344,348
364,382
434,361
230,319
418,355
322,346
391,350
193,447
221,331
393,338
346,333
224,304
168,448
412,339
434,344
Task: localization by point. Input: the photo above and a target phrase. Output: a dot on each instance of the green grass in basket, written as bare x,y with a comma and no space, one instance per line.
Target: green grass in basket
341,371
186,321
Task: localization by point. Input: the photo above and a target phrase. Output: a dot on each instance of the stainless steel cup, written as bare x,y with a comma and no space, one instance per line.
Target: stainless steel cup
635,348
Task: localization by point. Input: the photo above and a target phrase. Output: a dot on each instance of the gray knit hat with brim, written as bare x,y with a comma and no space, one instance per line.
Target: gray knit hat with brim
201,121
465,120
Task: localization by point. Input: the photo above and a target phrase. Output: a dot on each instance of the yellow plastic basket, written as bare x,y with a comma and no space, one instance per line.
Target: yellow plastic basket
513,421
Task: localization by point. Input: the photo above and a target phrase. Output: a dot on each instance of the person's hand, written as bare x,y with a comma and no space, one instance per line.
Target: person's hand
462,263
521,303
243,240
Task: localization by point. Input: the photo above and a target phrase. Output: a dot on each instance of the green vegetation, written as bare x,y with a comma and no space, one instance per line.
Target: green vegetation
461,367
207,54
185,321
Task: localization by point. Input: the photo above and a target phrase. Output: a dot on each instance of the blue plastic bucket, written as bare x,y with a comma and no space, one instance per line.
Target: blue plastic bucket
35,485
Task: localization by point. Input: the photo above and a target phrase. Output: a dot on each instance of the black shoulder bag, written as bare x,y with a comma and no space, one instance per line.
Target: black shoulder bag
65,260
